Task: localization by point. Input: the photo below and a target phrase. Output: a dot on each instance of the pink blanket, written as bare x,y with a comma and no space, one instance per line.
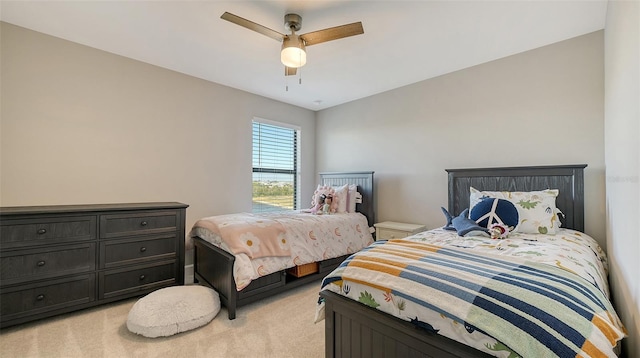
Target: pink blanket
246,233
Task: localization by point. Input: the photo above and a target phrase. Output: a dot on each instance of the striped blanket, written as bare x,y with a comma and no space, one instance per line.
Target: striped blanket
522,308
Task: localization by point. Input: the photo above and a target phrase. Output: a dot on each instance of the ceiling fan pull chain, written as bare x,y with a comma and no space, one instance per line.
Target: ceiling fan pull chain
300,69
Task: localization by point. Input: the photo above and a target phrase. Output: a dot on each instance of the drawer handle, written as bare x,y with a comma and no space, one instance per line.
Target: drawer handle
42,231
141,277
40,297
40,263
143,249
144,223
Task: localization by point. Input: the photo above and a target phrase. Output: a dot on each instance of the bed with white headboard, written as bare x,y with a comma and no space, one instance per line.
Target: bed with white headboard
214,266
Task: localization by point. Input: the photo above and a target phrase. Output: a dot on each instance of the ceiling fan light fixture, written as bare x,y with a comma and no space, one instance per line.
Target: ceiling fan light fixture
293,52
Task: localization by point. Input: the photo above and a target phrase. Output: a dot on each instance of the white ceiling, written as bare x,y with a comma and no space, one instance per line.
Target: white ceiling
403,42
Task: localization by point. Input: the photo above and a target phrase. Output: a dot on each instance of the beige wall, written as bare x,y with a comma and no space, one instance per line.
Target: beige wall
536,108
79,125
622,159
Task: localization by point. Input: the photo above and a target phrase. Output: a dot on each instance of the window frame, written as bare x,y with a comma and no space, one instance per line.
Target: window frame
296,157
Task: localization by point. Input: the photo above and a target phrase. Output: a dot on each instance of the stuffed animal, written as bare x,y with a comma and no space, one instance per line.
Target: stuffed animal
319,197
499,231
463,225
318,208
326,207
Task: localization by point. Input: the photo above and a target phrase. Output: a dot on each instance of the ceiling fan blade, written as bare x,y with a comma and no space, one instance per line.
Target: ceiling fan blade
252,26
332,33
289,71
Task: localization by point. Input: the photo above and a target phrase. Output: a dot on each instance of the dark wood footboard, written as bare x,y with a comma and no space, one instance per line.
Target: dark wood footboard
214,268
355,330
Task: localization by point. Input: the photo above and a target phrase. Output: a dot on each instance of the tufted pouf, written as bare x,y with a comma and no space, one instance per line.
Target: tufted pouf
172,310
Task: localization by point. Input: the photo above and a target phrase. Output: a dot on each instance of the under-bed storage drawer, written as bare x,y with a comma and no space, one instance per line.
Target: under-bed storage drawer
150,222
31,299
303,270
136,280
264,283
328,265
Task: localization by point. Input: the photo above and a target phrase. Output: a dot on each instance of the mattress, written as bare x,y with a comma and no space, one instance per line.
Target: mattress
309,238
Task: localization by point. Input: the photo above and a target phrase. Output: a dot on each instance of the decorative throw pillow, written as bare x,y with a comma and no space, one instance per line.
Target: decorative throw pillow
351,198
341,196
491,211
326,190
537,210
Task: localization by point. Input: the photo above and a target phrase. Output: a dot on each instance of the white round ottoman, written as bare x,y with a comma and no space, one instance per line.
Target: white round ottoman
172,310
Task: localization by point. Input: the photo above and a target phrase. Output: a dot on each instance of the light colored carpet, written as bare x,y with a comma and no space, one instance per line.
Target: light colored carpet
280,326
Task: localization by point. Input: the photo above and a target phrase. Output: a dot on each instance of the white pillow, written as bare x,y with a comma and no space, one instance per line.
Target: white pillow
536,209
351,198
172,310
341,195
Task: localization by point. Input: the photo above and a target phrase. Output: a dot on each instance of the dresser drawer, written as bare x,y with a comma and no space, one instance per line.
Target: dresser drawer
150,222
22,265
134,280
26,232
115,253
46,296
388,234
389,230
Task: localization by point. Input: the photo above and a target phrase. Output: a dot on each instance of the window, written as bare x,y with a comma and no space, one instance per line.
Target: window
275,166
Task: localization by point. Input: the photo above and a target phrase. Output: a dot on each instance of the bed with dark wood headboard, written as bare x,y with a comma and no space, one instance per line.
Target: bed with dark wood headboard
214,266
568,179
356,330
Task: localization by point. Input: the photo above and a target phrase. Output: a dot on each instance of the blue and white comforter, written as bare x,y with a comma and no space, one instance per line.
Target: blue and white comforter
528,295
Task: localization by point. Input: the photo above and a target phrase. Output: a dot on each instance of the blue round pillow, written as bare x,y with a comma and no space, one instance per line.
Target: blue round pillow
491,211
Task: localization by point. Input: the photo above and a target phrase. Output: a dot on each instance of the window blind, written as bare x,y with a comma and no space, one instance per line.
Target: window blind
274,167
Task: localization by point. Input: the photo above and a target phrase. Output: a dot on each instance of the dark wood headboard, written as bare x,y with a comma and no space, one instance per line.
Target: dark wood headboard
568,179
364,181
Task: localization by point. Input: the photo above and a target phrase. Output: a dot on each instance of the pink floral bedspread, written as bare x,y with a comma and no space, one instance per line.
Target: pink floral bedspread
247,233
309,237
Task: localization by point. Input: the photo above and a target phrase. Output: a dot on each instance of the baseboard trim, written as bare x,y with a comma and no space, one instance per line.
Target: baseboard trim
188,274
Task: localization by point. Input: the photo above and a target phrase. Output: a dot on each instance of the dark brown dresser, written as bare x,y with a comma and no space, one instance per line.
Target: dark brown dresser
57,259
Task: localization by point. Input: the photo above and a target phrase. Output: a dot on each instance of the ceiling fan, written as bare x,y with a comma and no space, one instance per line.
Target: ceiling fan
293,54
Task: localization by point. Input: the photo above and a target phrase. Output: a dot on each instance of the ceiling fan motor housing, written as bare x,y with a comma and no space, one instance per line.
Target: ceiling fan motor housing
292,22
